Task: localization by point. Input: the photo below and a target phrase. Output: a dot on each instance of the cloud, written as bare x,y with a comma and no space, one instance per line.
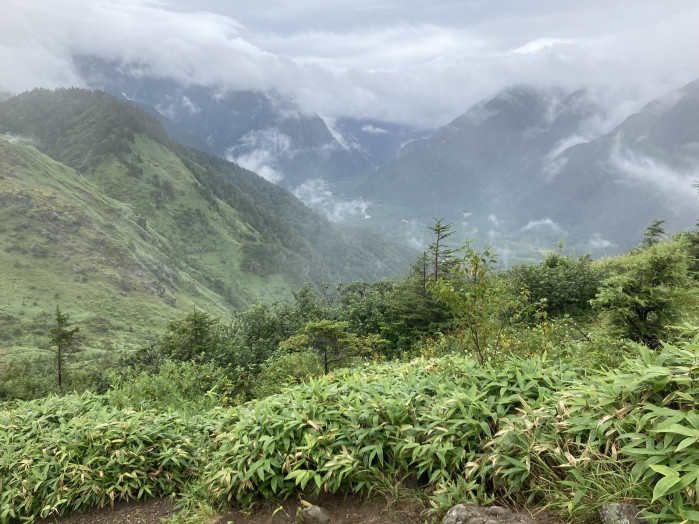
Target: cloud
316,195
259,150
545,223
372,130
670,183
598,242
541,44
417,62
30,141
259,161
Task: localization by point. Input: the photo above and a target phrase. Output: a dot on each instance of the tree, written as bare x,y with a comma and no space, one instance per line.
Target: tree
331,341
472,297
440,254
480,301
63,337
560,284
647,292
654,233
196,336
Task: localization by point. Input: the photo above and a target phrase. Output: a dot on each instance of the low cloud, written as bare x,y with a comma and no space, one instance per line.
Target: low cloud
30,141
259,151
598,242
317,195
372,130
671,183
545,223
261,162
416,62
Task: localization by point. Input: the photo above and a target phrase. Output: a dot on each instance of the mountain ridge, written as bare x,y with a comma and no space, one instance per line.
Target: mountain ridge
204,232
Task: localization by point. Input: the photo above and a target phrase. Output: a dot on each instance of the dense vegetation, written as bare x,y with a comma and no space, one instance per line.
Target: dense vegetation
511,385
563,384
129,229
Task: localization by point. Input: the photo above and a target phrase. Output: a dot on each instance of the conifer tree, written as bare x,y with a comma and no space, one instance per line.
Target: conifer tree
440,253
654,233
63,337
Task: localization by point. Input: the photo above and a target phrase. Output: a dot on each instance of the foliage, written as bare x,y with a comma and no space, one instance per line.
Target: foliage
74,452
30,376
478,301
189,386
331,341
560,284
530,430
440,256
63,337
654,233
196,336
631,433
646,292
286,368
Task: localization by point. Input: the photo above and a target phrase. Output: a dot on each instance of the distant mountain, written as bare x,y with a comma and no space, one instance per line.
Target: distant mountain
379,138
525,167
103,212
265,132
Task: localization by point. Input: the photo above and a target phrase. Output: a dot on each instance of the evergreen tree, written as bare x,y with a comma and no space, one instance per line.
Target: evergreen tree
654,233
440,254
63,337
648,291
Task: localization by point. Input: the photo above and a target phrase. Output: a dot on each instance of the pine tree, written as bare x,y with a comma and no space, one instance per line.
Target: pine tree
654,233
440,254
63,337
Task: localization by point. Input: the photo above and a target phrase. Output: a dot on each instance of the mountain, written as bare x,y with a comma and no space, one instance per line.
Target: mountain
379,138
263,131
526,167
105,214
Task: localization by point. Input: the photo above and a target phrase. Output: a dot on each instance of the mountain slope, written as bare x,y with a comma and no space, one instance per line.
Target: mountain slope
188,229
263,131
524,167
64,243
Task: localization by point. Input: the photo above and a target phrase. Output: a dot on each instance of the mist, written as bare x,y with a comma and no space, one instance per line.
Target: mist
419,63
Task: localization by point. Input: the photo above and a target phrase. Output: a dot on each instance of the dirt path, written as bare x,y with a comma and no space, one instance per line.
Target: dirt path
342,510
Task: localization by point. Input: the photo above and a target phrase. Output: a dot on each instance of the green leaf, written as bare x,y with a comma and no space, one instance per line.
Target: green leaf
663,486
686,443
664,470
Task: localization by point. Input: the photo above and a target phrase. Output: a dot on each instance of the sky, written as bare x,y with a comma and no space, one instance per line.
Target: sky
417,62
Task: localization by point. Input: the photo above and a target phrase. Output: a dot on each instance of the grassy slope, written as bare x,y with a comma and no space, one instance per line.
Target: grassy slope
142,232
65,243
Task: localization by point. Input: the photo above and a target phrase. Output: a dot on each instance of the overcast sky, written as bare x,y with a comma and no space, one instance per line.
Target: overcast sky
421,62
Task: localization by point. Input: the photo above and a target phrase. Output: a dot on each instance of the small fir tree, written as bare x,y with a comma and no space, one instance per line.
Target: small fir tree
63,337
654,233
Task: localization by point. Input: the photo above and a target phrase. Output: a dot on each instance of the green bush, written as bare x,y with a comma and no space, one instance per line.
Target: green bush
286,368
61,454
186,386
563,285
647,292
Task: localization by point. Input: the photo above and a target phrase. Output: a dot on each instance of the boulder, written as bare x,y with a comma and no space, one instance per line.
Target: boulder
619,514
315,515
472,514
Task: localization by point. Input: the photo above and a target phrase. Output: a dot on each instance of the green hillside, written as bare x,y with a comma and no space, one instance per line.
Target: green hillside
65,243
140,229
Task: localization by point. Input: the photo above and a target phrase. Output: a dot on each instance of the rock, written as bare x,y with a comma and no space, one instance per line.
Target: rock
315,515
472,514
619,514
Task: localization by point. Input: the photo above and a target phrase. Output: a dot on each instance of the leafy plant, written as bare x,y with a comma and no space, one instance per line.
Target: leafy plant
646,292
